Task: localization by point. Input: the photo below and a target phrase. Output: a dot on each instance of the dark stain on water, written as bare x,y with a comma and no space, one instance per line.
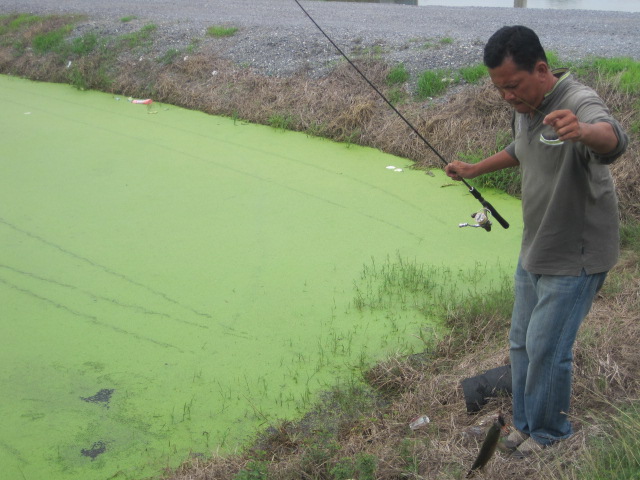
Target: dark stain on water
103,397
97,448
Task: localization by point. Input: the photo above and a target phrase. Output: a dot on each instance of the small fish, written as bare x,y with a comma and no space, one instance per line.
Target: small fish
488,446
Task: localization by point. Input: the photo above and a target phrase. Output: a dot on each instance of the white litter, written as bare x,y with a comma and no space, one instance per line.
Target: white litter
398,170
419,422
391,167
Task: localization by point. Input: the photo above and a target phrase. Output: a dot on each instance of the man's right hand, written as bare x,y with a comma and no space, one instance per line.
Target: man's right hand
459,170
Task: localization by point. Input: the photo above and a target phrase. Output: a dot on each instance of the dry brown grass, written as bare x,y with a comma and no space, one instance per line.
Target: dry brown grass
341,106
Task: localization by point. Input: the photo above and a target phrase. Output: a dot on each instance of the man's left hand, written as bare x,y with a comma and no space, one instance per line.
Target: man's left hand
566,125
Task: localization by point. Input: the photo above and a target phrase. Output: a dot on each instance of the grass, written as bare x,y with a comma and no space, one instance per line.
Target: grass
281,121
613,454
12,23
51,41
474,73
623,72
630,236
141,38
397,75
219,31
432,83
84,45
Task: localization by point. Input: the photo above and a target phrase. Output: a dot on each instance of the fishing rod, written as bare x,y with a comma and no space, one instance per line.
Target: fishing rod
482,217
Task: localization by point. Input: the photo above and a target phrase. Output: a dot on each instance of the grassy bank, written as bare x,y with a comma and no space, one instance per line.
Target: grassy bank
361,430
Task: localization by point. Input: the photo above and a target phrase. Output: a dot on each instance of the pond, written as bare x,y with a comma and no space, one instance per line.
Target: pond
612,6
174,282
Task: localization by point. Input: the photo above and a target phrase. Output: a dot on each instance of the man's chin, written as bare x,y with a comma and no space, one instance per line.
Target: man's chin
521,107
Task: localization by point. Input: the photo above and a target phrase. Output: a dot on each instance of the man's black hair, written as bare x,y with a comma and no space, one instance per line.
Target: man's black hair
519,43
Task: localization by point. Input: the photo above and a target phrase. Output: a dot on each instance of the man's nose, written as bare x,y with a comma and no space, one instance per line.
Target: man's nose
508,96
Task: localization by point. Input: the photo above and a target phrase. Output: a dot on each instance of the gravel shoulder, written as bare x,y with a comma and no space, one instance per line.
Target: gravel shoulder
276,38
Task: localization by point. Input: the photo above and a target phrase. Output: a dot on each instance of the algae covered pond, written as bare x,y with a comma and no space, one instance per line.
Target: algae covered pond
171,282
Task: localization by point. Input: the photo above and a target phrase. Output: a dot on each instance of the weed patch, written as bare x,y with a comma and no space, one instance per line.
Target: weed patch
218,31
51,41
433,83
169,56
140,39
397,75
474,73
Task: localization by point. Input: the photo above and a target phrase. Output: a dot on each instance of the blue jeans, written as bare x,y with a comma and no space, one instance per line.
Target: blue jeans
547,313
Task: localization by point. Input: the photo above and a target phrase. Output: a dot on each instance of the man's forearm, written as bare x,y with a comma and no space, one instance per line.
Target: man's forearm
599,137
495,162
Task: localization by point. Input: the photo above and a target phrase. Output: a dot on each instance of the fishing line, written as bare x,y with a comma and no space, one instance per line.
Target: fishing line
486,224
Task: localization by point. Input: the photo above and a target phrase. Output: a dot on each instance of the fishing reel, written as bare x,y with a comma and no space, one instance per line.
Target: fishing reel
482,220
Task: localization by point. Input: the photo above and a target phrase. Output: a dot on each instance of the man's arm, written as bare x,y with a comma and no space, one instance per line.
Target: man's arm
599,137
459,170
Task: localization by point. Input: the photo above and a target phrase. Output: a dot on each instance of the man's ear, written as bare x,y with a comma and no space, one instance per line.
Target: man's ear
541,68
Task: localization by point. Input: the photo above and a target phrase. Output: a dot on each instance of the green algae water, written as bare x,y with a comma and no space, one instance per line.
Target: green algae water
171,282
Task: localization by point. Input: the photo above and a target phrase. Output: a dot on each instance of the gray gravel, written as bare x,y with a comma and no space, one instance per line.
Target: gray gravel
276,37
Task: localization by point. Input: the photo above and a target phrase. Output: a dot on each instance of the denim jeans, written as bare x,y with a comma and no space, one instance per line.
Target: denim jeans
547,313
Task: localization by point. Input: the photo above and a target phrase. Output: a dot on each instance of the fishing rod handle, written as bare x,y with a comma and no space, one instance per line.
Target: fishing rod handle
487,205
496,215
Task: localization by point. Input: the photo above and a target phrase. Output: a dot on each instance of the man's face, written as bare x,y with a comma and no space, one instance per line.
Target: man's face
521,89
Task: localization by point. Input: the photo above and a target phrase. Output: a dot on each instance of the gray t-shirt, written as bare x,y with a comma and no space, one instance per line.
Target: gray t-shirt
569,204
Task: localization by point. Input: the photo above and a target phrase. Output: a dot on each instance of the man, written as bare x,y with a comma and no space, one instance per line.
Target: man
564,139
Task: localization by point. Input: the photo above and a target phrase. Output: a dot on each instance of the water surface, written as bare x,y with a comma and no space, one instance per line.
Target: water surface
172,282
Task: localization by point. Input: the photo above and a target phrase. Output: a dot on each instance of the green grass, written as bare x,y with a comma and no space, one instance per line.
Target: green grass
218,31
281,121
12,23
128,18
141,38
622,72
397,75
363,467
630,236
255,470
84,45
51,41
395,282
474,73
429,44
616,455
552,59
433,83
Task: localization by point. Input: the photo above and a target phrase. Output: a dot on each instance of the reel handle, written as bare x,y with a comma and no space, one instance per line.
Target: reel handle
487,205
495,214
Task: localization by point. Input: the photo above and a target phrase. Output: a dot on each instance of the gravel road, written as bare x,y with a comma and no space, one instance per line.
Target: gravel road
276,37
